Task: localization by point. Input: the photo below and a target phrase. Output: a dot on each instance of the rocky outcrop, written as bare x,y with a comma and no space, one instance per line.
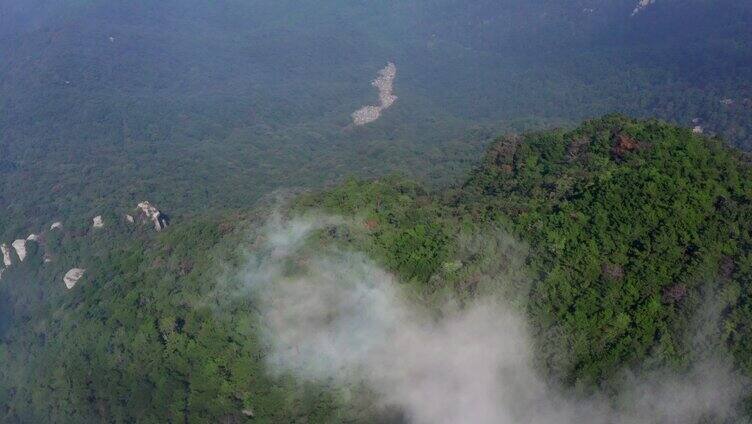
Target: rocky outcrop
149,213
6,254
98,222
2,270
71,277
20,247
642,5
385,84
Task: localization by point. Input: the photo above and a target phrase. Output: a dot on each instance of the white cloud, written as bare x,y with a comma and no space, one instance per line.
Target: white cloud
332,315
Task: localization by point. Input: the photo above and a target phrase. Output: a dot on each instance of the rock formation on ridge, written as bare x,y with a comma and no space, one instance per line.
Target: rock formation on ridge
71,277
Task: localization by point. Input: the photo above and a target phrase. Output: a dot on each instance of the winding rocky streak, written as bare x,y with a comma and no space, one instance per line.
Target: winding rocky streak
642,5
385,84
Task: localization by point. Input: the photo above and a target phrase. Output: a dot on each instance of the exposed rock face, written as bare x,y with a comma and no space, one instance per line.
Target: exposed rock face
6,254
20,247
32,237
385,85
642,5
56,226
150,213
697,129
2,270
71,277
98,222
129,218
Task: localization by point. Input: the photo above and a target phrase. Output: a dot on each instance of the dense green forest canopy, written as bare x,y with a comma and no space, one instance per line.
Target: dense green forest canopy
624,244
621,240
197,105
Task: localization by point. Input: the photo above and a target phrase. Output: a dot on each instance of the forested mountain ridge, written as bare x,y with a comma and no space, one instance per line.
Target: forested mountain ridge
610,206
613,239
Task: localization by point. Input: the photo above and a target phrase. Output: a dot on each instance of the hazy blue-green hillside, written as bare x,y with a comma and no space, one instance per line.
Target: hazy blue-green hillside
197,105
623,244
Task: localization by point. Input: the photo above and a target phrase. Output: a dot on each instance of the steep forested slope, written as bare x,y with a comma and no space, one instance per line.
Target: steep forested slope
625,243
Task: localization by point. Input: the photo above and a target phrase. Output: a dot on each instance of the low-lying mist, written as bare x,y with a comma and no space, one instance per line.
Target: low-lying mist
335,316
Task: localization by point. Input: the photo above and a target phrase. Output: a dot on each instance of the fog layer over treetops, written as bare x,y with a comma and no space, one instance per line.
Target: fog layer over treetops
335,315
113,102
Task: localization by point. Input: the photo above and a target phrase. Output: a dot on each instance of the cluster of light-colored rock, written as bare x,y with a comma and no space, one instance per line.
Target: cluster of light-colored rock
20,247
71,277
6,259
150,213
697,127
385,84
146,212
98,222
6,254
642,5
